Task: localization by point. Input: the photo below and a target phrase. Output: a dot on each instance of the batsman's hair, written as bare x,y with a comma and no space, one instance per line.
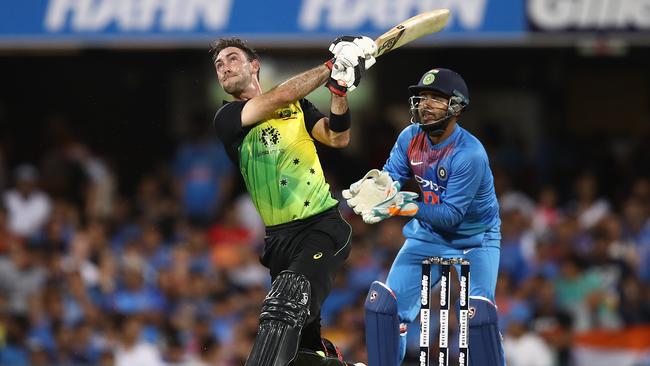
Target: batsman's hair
221,43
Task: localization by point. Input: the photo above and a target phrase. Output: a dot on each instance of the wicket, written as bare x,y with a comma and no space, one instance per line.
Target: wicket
445,297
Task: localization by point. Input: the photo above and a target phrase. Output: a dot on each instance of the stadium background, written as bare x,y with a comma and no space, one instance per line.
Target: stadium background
120,258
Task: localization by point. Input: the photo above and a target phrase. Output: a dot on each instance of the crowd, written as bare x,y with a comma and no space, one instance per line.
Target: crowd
170,274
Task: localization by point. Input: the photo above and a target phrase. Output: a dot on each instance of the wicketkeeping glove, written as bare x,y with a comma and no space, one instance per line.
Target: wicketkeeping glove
400,204
375,187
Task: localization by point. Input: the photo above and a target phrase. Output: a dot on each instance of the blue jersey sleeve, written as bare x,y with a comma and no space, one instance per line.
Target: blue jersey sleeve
397,164
464,181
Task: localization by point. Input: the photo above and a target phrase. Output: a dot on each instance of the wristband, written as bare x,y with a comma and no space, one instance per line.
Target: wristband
340,122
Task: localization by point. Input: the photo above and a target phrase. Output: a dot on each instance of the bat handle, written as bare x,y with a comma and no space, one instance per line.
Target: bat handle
337,66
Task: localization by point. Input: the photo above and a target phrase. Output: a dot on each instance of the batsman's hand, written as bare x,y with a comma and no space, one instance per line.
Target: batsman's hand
349,46
346,78
375,187
400,204
352,56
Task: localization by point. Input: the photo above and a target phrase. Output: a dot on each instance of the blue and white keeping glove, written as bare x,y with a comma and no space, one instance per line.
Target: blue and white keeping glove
400,204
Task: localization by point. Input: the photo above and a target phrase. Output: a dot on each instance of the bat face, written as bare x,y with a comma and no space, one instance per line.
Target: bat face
411,29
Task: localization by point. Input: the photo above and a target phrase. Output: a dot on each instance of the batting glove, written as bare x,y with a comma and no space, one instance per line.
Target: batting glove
400,204
367,48
345,75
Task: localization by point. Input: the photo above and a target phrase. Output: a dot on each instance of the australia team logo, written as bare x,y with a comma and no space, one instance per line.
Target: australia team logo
269,136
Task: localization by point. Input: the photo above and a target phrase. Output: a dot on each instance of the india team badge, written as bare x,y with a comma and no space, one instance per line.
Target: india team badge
430,77
442,173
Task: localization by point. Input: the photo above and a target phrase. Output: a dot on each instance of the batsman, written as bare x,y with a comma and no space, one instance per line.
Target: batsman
270,136
457,216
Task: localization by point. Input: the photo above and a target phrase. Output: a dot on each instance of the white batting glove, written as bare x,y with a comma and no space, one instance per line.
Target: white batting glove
369,48
345,74
345,78
366,46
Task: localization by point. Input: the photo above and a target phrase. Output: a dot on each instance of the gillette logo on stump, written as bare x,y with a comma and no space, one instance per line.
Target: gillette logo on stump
425,288
463,291
443,291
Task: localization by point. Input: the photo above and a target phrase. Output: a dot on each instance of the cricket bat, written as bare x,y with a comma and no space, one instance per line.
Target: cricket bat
409,30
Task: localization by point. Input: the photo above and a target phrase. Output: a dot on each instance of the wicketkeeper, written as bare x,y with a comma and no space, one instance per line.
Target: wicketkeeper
457,216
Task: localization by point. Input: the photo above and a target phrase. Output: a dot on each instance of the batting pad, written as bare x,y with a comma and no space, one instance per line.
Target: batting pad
283,315
382,326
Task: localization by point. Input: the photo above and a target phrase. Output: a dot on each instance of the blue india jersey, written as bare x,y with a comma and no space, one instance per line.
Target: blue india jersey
459,207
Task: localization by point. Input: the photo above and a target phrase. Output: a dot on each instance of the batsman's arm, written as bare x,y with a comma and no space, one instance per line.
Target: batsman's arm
297,87
335,130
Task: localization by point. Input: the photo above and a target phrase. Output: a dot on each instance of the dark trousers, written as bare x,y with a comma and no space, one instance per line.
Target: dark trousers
315,247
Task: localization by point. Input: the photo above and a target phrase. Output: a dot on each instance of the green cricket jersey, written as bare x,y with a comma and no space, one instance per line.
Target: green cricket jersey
278,161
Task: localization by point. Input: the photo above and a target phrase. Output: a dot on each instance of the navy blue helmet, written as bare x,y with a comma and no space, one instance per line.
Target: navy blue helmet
446,82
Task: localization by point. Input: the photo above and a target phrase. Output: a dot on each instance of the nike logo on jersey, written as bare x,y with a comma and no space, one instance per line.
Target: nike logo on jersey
465,251
416,162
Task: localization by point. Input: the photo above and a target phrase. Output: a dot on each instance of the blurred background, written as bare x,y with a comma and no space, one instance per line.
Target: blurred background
127,238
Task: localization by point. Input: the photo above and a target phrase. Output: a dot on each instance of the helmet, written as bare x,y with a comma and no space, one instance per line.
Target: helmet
444,81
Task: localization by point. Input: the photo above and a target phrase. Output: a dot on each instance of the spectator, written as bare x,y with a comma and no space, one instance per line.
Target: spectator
14,350
523,347
209,353
28,207
516,239
135,296
7,238
588,206
580,292
203,175
547,213
131,350
20,278
552,323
